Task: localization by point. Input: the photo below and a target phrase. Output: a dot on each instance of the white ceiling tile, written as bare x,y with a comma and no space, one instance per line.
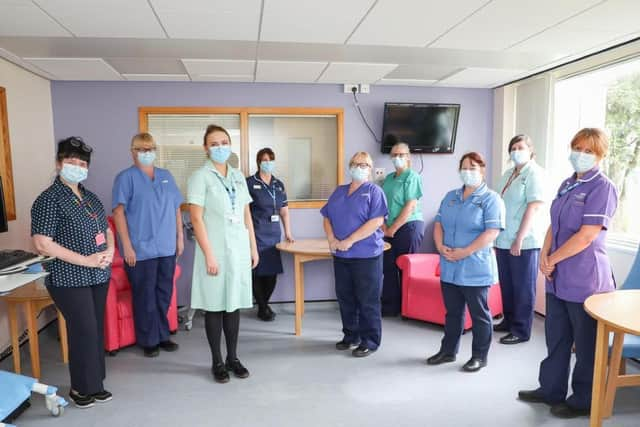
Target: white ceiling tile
422,71
141,65
223,78
503,23
157,77
289,71
480,77
99,18
210,19
405,82
297,21
23,18
214,69
351,72
76,68
411,22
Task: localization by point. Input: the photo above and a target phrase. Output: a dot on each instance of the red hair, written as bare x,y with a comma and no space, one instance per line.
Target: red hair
474,158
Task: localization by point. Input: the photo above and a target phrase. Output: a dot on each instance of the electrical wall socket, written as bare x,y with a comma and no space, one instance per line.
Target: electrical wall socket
379,174
348,88
364,88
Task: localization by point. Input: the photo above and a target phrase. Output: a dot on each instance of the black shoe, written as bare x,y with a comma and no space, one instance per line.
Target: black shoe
390,313
80,400
345,345
440,358
531,396
168,346
220,373
266,315
151,351
362,351
103,396
236,367
474,364
501,327
512,339
562,410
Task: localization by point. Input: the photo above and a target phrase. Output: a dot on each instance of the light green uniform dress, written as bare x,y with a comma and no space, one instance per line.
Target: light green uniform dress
228,236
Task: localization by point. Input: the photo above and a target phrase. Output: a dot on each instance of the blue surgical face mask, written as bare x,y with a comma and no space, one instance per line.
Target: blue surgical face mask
267,166
471,178
399,162
73,174
582,162
146,158
358,174
220,153
520,157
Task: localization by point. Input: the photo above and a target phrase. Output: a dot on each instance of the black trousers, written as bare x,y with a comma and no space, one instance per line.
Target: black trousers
83,310
263,287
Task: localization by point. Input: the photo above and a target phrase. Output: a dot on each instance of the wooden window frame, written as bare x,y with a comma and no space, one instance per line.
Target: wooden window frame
244,112
5,159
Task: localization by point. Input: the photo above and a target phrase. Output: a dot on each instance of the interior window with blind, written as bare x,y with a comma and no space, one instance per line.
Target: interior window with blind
179,138
305,147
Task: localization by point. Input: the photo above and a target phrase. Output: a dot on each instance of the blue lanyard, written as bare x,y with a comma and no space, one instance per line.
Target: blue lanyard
230,192
568,188
271,193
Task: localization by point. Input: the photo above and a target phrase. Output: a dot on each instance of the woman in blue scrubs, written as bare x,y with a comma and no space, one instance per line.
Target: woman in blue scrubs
269,209
468,221
353,216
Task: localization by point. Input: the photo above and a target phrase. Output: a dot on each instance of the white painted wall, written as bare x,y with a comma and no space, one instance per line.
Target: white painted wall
31,135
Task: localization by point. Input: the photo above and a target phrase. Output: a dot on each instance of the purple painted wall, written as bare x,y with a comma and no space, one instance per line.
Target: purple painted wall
105,114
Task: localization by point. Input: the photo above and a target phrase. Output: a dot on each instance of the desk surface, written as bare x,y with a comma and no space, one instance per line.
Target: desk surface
10,282
618,309
315,247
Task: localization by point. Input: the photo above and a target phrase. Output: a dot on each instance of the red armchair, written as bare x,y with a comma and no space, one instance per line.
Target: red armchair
119,330
421,294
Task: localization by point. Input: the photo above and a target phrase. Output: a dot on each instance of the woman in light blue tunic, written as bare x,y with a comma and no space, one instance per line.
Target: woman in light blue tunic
226,251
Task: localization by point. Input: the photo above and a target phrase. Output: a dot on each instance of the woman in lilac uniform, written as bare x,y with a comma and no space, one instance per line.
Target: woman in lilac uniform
353,216
575,263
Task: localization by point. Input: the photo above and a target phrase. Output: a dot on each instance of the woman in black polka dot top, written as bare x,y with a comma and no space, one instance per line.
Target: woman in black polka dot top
68,222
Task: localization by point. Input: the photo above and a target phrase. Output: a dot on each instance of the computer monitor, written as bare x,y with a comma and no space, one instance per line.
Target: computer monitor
3,211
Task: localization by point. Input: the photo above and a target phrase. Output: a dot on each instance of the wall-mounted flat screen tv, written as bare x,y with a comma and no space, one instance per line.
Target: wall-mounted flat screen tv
427,128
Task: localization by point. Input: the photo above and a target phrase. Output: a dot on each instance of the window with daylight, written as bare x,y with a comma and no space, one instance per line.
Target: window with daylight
308,143
609,98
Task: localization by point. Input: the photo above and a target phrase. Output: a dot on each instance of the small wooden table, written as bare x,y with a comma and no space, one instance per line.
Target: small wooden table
304,251
615,312
35,298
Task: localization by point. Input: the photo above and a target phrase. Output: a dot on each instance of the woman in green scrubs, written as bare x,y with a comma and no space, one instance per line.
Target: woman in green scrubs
226,251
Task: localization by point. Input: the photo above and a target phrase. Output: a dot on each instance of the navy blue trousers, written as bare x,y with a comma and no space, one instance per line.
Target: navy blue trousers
518,275
358,284
456,299
407,240
151,288
83,309
567,323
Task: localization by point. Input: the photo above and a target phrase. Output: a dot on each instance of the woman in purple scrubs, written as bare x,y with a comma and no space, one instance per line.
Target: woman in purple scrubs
353,216
574,260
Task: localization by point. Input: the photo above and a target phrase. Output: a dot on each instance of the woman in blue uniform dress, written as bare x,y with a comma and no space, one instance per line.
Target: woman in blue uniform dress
268,210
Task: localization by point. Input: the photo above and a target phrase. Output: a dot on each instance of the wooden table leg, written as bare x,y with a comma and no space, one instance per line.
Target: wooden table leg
299,279
34,348
15,337
599,375
614,370
62,330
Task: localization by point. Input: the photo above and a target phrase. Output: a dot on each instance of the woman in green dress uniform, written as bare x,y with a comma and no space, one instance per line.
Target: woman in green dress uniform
226,252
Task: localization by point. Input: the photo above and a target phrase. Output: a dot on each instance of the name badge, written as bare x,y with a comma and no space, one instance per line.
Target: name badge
100,239
257,187
275,218
233,218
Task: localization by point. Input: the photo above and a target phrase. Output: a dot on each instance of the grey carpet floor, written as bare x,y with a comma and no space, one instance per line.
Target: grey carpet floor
303,381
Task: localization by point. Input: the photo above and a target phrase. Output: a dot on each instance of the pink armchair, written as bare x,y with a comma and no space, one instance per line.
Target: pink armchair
421,294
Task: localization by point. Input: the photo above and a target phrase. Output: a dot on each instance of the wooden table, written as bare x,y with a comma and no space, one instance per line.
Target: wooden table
616,312
34,297
304,251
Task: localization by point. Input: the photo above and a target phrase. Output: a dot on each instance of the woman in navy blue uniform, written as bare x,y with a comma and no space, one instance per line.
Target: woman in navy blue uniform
268,210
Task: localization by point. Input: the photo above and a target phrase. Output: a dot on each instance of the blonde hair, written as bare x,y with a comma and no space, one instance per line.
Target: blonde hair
142,139
362,155
596,139
405,146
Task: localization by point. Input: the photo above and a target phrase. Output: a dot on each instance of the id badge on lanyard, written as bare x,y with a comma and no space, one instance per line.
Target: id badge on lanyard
275,217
